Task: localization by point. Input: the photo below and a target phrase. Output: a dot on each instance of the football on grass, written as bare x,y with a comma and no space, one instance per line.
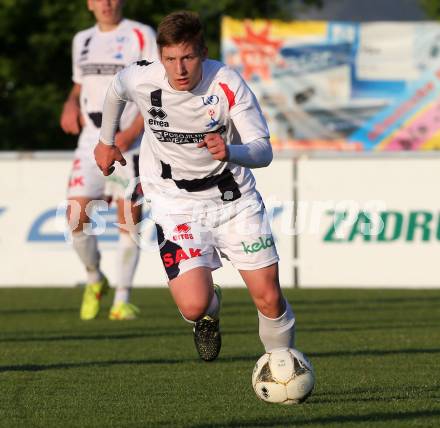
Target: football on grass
283,376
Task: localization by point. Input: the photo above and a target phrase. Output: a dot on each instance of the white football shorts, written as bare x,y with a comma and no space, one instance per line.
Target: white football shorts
238,231
86,180
123,183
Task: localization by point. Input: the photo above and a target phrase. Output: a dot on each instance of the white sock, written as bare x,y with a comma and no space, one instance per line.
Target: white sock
127,260
122,295
277,332
214,307
86,246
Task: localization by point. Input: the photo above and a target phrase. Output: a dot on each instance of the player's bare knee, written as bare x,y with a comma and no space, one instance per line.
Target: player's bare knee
271,304
193,311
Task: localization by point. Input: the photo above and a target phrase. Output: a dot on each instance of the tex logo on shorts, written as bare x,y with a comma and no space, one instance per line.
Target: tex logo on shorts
255,247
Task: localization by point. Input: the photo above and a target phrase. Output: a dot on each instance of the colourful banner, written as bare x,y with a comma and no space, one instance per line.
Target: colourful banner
341,86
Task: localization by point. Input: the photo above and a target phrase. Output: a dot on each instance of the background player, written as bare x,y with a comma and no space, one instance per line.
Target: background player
195,165
98,53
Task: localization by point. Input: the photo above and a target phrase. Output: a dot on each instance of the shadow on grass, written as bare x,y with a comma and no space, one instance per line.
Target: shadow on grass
38,311
103,336
360,301
110,363
228,331
86,364
363,326
221,360
291,420
373,352
388,394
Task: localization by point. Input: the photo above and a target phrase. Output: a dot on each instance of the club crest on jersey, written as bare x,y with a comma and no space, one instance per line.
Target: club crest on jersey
212,122
210,100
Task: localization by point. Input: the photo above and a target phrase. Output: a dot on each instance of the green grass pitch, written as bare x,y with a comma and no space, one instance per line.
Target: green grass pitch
376,355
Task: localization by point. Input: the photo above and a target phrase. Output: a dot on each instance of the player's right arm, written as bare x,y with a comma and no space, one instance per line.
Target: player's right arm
70,120
118,93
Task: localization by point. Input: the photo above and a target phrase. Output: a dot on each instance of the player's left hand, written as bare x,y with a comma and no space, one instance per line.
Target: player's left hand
106,156
216,146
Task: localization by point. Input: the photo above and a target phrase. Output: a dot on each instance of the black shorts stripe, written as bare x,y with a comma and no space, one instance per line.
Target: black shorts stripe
137,191
225,182
96,118
168,250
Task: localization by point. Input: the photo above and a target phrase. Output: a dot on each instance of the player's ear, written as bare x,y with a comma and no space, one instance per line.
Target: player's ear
90,5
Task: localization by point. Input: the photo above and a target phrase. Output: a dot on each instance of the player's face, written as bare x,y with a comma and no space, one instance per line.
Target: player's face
183,64
107,13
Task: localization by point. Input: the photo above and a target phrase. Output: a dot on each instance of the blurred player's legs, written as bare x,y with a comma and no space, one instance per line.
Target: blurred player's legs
86,247
121,186
86,187
127,260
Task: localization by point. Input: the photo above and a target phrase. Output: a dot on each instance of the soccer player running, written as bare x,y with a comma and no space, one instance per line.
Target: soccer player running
204,130
98,53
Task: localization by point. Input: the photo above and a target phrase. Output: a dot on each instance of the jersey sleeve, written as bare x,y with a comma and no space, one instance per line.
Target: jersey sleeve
244,108
76,71
121,89
114,104
123,83
145,41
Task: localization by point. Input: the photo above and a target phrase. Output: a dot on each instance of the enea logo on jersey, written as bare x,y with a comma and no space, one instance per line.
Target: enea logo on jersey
210,100
182,232
159,115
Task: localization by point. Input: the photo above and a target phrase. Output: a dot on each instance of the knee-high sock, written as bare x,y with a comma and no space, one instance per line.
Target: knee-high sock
128,257
277,332
86,246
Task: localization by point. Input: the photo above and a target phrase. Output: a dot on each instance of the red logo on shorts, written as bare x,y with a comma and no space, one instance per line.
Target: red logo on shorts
76,181
170,259
76,164
182,228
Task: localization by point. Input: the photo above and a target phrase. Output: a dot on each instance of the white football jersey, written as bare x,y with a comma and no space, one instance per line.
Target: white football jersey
171,164
97,56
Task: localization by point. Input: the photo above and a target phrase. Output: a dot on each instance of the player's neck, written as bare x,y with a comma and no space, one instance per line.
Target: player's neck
104,27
